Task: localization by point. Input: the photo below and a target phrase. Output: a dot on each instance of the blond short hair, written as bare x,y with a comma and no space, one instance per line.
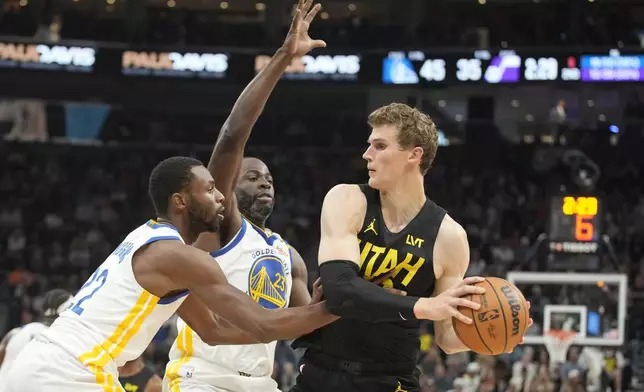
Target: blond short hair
415,129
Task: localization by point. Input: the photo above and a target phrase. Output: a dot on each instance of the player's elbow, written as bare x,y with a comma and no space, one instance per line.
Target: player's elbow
340,290
341,298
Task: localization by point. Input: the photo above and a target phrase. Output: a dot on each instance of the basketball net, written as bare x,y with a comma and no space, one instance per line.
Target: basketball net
557,342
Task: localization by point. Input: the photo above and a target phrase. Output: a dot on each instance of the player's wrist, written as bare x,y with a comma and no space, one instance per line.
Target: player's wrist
421,308
283,54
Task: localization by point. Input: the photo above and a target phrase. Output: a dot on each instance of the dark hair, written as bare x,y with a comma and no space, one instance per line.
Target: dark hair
53,300
170,176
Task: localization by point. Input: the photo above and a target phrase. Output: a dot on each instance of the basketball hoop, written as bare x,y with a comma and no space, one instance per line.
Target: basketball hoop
557,343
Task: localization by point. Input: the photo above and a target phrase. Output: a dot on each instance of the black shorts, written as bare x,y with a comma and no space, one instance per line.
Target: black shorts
314,378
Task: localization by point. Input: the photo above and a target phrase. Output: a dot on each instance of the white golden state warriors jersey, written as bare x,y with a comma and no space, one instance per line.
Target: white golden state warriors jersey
112,319
17,342
260,265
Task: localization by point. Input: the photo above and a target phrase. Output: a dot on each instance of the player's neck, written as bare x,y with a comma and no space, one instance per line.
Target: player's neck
261,223
182,227
255,219
403,202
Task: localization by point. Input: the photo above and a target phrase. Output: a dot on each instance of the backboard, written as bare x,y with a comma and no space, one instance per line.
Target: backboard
593,305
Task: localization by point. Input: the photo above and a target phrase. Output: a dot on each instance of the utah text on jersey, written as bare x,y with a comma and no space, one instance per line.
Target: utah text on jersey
377,260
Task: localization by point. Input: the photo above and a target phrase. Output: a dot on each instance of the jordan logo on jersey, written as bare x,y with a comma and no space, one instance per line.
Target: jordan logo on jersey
372,227
267,282
399,388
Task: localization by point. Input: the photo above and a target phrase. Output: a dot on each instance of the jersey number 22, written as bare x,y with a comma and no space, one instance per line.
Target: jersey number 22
94,283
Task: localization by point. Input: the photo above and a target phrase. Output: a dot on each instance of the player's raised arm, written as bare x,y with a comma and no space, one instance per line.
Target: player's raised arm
190,268
350,296
225,162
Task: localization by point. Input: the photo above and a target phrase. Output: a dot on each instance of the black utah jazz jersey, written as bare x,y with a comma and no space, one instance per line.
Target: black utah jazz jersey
137,382
410,254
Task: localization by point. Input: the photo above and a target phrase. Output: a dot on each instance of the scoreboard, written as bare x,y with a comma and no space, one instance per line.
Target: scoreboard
480,66
399,67
575,224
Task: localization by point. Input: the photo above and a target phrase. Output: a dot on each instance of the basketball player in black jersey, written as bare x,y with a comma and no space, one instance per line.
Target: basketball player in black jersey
387,226
135,376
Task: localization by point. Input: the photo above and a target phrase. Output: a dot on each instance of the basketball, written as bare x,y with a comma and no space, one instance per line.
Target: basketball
498,326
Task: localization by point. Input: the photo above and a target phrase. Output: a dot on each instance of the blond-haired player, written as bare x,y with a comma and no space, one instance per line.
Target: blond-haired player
388,225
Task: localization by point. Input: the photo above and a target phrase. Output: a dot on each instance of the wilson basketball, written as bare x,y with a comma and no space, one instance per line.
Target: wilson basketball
499,324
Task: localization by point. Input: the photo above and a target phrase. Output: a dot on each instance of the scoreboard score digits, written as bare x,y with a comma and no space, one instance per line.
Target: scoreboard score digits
575,224
543,68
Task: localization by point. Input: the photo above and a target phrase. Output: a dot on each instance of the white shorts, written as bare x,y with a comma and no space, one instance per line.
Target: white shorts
45,367
214,378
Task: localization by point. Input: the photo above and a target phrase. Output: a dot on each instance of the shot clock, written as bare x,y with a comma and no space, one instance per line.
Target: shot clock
575,224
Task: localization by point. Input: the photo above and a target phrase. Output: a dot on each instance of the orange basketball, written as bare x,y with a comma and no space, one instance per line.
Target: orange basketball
501,321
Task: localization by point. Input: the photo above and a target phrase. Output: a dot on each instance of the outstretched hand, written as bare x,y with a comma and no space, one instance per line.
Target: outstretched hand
298,42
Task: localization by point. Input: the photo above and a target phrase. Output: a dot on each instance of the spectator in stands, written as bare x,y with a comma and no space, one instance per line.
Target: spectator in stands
573,382
49,31
613,365
558,119
542,381
524,371
571,366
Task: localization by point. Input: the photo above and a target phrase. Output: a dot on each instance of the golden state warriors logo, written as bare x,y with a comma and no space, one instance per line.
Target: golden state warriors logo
267,282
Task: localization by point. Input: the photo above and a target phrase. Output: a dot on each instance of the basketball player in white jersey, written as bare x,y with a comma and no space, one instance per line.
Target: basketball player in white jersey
254,259
141,284
54,303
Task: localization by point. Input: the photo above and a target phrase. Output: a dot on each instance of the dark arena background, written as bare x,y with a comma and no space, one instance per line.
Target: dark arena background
541,116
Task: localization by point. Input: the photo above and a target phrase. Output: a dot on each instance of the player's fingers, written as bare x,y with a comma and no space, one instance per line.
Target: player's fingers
528,302
396,291
307,6
466,303
318,43
311,15
530,322
297,17
465,290
456,314
381,278
317,283
472,280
